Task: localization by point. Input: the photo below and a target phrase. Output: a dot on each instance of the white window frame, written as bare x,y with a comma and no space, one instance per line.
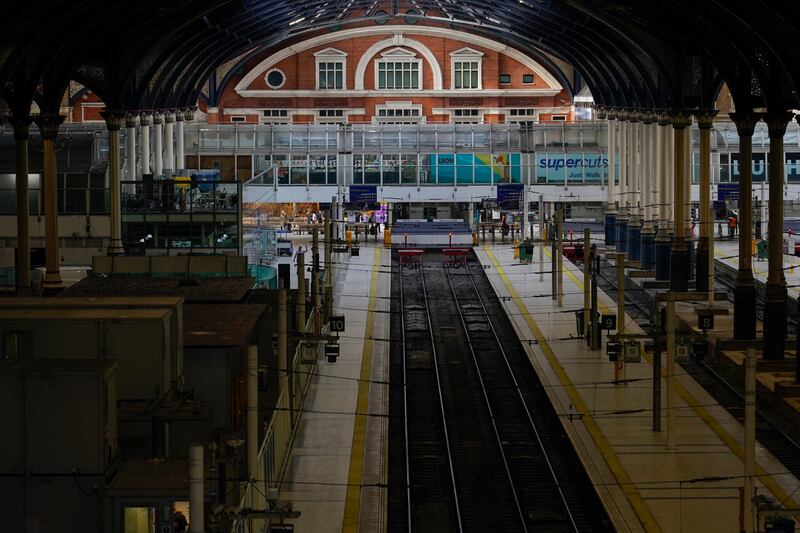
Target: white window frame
465,55
266,78
274,119
531,116
474,118
398,55
331,55
419,118
341,119
238,119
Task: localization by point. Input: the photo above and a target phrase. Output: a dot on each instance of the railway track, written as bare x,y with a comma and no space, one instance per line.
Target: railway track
497,457
780,437
422,457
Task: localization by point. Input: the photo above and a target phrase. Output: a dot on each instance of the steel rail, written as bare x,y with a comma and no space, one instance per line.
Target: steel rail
441,396
524,404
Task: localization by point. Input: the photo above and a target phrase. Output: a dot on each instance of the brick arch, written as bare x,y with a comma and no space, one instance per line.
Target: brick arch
398,40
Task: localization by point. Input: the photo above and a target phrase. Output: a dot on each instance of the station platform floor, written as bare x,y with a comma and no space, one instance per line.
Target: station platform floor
727,251
336,473
645,486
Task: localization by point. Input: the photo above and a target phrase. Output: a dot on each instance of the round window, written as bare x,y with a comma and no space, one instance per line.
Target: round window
381,17
411,16
275,79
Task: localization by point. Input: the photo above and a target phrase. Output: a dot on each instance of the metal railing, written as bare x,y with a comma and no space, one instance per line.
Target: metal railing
276,447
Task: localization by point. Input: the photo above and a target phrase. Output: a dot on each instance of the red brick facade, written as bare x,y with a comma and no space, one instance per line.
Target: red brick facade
299,96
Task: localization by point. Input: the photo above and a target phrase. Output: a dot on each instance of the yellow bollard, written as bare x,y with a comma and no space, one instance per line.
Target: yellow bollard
348,236
387,238
516,249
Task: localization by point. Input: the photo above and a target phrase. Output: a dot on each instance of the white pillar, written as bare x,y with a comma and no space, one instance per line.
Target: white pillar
130,147
169,142
196,498
634,156
144,122
664,182
623,162
158,121
180,159
525,206
612,162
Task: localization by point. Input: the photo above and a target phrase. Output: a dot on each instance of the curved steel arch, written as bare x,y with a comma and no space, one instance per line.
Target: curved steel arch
631,53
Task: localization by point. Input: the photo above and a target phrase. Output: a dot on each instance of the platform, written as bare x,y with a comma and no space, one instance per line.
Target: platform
645,487
728,252
336,471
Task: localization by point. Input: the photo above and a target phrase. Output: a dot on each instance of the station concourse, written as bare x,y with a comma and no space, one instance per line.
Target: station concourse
276,266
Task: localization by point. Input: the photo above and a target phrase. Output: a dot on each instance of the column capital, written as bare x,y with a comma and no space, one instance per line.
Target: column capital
169,116
681,119
663,118
158,117
611,114
21,125
48,125
130,120
634,115
113,119
705,118
745,122
179,115
188,114
777,122
649,117
622,115
145,118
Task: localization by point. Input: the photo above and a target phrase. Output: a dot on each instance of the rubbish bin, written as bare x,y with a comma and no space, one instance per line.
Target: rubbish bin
762,250
525,252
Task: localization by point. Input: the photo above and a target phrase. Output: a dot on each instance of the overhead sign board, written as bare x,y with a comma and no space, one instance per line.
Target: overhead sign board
509,195
728,191
363,194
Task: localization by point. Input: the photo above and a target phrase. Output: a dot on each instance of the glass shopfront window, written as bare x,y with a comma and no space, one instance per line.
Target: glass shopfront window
358,168
408,168
299,170
372,169
317,171
391,168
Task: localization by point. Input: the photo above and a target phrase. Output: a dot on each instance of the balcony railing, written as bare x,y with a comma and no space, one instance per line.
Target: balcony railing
179,196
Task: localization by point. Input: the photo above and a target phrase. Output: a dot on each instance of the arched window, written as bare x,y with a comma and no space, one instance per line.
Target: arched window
398,69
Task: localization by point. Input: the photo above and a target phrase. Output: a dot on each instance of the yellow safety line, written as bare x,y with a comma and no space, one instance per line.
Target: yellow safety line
716,427
638,504
352,505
